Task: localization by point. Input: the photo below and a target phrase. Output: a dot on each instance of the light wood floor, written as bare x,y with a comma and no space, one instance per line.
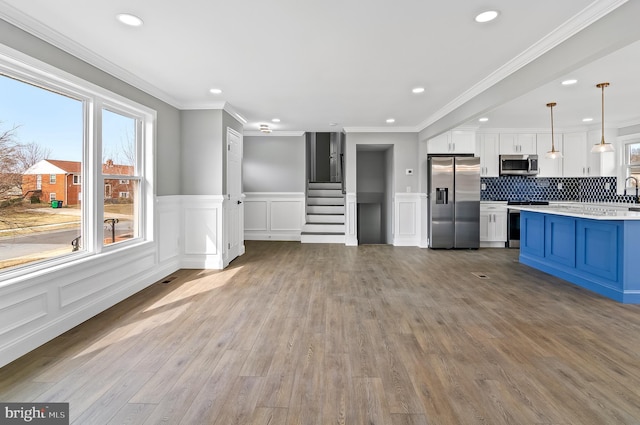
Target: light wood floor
328,334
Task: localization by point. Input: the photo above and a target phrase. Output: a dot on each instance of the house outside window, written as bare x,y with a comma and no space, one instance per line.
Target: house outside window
52,196
39,182
124,194
52,179
77,179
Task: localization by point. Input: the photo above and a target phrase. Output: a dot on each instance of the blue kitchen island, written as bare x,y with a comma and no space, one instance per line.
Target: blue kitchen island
593,247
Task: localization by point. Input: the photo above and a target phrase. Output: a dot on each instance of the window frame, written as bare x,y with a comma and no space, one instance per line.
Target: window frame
53,178
19,66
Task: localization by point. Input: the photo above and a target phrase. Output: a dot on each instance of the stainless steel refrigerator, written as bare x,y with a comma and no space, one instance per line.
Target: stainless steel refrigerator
454,201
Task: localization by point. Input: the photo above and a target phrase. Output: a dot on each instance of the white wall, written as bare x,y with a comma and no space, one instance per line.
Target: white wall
202,146
274,164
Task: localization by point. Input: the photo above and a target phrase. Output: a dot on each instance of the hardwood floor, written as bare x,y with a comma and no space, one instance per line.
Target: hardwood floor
298,333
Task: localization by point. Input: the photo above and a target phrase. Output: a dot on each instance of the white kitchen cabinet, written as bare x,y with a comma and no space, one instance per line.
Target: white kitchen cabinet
602,164
580,162
493,224
488,149
575,160
549,167
515,143
453,142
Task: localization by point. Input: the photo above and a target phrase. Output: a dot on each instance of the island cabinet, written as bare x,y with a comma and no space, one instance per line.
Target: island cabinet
597,254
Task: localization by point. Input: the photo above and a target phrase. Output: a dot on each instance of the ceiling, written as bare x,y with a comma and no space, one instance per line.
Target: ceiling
348,63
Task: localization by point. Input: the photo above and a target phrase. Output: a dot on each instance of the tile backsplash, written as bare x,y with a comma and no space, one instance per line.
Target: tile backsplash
583,189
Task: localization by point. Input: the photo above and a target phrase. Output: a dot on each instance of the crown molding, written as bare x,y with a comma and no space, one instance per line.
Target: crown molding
583,19
380,129
47,34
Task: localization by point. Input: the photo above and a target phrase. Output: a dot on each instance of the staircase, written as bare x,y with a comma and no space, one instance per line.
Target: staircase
325,214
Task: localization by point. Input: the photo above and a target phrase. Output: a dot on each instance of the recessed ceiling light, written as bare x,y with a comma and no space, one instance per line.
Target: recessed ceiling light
418,90
129,19
487,16
275,120
569,82
215,91
390,121
587,119
483,119
333,124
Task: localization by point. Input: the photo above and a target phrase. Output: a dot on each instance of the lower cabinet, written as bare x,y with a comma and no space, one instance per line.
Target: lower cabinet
493,225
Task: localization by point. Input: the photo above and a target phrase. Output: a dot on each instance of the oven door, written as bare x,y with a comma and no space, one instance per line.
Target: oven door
513,228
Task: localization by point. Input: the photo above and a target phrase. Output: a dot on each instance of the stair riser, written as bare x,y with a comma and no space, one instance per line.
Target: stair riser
325,186
319,228
325,201
325,209
325,192
337,218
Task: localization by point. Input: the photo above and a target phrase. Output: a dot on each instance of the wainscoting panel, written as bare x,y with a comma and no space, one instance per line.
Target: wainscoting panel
351,220
406,219
168,232
277,216
17,313
203,233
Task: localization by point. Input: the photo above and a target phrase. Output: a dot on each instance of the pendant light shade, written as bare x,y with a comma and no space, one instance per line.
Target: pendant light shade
602,146
553,153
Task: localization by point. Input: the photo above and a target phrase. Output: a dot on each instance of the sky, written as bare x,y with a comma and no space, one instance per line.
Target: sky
55,122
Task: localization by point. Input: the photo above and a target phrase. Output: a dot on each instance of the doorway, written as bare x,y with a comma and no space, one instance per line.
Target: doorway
374,182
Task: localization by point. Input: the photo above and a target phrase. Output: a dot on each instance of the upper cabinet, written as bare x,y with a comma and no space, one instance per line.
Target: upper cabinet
524,143
487,148
453,142
549,167
580,162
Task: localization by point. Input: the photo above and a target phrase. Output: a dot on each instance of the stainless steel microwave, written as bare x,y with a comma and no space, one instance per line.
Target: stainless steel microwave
519,165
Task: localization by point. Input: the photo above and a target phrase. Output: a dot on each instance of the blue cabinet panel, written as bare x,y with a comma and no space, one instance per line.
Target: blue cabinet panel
532,233
598,248
560,240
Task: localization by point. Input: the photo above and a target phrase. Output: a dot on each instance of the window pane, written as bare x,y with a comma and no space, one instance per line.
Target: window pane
118,144
633,153
634,171
121,211
41,134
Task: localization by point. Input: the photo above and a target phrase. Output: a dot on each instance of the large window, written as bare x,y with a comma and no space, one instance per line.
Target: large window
65,189
632,159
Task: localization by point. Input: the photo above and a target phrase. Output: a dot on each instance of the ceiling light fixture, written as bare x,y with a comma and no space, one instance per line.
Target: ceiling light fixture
487,16
483,119
275,120
333,124
587,119
265,128
418,90
129,19
215,91
602,146
569,82
390,121
553,153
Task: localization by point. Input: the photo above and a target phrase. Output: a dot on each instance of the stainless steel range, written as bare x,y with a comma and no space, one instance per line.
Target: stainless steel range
513,221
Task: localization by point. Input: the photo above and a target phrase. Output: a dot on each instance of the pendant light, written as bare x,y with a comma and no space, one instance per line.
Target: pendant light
602,146
553,153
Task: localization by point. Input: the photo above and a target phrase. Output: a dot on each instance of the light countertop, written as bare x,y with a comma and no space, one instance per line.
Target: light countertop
584,210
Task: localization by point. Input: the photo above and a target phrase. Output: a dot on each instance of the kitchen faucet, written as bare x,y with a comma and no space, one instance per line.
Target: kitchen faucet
625,187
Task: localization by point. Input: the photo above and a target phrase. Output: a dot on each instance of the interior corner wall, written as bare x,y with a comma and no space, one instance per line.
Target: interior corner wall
405,156
168,119
388,192
202,152
274,164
